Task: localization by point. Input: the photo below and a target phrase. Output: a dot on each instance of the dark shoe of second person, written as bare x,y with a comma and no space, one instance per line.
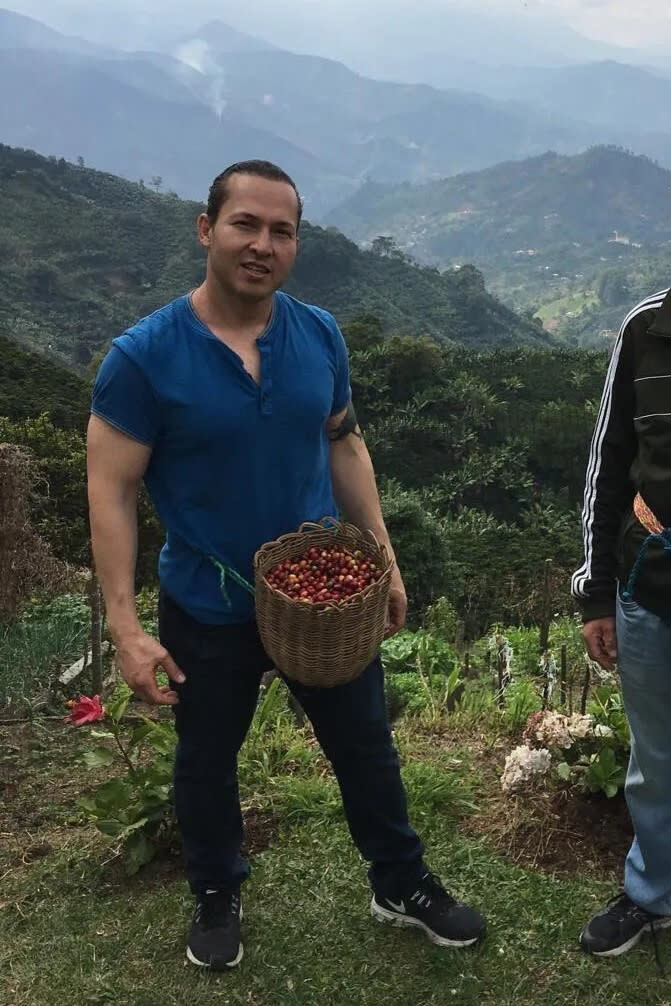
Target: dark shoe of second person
214,940
618,927
428,906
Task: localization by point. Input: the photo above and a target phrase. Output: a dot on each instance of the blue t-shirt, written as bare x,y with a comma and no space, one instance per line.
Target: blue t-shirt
234,463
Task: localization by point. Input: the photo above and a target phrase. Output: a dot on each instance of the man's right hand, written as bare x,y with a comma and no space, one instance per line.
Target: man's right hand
139,657
599,636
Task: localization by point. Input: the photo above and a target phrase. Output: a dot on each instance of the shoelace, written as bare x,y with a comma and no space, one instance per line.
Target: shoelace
629,907
217,909
431,890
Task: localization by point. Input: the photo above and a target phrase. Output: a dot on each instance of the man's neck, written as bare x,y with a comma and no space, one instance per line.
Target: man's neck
221,312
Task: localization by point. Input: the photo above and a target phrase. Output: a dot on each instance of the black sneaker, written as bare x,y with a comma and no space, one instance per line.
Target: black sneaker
428,906
618,927
214,940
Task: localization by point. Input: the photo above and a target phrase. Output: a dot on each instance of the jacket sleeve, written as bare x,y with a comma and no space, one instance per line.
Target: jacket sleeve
609,490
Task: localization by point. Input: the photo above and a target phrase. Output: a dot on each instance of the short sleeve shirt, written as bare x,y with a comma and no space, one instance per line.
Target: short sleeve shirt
234,463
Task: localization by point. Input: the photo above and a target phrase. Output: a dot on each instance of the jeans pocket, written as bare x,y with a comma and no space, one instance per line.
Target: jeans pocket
626,602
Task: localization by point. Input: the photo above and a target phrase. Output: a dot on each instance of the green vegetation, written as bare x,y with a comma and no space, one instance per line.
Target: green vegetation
31,383
83,254
574,240
76,928
480,458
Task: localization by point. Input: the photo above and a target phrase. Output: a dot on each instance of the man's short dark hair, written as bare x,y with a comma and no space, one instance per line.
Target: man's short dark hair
260,169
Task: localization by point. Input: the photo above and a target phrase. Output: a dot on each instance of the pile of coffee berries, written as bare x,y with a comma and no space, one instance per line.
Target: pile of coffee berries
324,574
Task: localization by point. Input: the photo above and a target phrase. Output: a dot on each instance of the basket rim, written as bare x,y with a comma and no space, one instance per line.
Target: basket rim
330,525
337,527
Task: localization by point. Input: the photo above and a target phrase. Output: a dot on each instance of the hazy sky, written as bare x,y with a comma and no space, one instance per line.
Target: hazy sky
625,22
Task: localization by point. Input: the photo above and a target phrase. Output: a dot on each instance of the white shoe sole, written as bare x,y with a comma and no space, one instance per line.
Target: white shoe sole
191,957
630,944
396,919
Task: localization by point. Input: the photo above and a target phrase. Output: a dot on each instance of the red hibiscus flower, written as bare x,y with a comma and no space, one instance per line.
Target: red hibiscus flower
87,710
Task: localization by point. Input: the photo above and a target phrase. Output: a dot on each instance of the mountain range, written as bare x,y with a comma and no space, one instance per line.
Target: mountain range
83,254
538,230
543,201
215,94
395,39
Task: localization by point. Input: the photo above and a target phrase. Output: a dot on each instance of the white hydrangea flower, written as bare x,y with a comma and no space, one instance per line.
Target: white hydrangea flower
581,727
555,730
522,764
552,731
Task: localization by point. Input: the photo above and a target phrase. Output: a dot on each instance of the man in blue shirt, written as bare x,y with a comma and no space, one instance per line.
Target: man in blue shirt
233,405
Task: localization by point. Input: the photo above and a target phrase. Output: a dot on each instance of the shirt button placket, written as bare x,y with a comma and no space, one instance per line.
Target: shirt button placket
266,381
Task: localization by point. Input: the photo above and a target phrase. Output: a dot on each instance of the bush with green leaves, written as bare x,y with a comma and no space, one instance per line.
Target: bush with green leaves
413,651
404,693
441,620
521,700
433,665
590,752
134,809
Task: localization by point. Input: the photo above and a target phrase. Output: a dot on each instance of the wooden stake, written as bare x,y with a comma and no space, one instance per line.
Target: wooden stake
563,675
96,634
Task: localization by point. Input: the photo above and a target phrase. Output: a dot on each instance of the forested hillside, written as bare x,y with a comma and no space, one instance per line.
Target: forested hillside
83,254
480,458
561,236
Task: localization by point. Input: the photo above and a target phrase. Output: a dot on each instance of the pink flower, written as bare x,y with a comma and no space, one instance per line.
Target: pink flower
87,710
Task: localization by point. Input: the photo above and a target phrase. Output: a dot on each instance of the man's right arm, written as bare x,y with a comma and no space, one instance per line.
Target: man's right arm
116,464
609,491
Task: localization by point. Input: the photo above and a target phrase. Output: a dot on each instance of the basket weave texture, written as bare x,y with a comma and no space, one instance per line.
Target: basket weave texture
323,644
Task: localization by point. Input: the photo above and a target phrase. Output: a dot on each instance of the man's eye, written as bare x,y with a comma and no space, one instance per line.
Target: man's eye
245,224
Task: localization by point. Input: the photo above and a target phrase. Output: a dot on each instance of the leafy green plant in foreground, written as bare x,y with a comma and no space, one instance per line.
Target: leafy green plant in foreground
135,809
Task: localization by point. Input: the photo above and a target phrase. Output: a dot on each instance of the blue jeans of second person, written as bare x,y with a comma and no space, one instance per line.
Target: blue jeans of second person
644,663
223,665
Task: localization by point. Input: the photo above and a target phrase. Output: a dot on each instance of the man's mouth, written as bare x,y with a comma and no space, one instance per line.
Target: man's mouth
256,268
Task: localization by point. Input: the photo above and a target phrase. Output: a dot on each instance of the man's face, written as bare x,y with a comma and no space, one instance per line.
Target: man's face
252,244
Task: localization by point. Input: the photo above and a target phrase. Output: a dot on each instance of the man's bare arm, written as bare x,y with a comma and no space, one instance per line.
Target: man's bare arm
356,494
116,464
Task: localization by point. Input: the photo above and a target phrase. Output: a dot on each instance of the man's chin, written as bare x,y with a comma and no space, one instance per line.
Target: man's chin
255,292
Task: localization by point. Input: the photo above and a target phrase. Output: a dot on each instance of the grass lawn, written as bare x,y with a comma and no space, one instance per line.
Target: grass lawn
75,930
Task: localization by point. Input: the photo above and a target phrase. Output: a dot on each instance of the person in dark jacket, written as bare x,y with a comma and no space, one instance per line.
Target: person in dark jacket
624,590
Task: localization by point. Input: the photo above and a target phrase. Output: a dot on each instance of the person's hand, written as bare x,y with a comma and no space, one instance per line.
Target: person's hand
139,656
599,636
397,605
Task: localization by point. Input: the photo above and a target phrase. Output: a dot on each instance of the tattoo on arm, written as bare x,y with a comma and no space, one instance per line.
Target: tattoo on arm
348,425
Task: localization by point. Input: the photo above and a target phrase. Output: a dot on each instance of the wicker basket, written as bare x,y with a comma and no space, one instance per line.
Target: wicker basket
322,644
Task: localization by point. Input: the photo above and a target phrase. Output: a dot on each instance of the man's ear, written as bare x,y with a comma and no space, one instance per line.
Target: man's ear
204,227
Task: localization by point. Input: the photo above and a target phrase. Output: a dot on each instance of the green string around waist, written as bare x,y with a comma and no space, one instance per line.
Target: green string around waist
228,571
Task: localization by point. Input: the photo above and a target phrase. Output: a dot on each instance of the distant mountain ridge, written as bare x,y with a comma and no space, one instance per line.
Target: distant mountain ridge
226,95
83,254
517,206
559,235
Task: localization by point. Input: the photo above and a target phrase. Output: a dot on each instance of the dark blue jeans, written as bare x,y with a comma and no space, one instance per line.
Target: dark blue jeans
223,665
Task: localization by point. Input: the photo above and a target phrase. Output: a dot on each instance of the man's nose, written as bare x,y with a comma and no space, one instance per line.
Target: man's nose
262,243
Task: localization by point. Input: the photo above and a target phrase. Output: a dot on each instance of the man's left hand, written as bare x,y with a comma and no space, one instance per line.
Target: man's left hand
397,605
